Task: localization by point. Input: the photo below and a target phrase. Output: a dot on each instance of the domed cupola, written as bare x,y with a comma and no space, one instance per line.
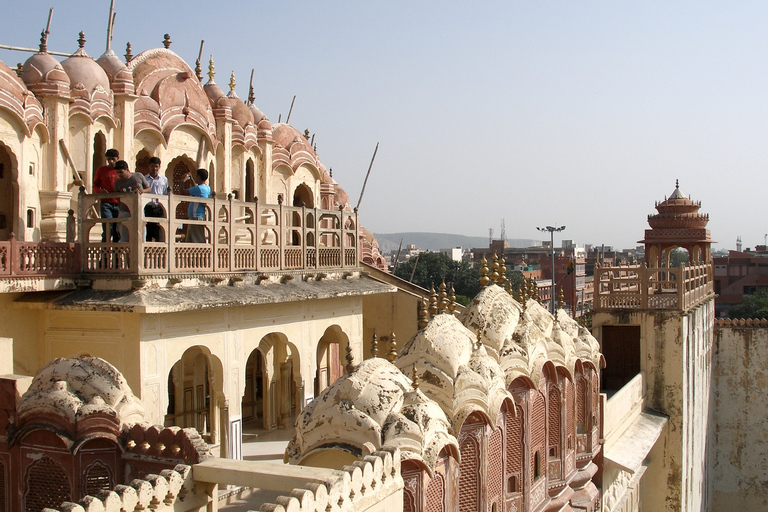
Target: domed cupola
243,129
678,223
17,99
43,74
120,78
220,104
90,90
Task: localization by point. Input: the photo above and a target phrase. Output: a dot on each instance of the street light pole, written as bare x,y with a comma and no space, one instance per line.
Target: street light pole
551,230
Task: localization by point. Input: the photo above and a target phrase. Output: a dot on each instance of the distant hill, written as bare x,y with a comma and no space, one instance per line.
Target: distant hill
388,242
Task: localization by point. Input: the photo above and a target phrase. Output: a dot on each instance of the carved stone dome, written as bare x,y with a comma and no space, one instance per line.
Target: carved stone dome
84,71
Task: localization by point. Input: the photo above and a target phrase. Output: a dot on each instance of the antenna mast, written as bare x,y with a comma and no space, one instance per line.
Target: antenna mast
503,231
287,119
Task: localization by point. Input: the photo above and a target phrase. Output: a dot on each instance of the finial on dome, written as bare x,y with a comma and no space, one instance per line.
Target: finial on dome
128,54
44,41
442,303
451,300
423,314
502,271
432,301
478,343
167,41
81,39
232,82
19,69
392,354
484,279
330,172
677,183
211,70
535,286
374,345
350,366
560,299
414,379
494,275
306,133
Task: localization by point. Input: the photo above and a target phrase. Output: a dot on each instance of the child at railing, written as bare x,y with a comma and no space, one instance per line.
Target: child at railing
197,188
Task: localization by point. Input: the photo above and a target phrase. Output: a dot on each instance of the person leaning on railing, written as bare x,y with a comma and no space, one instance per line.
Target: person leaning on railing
196,188
128,181
104,181
158,184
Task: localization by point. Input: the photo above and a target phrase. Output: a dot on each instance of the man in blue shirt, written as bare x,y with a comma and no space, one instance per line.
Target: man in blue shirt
158,184
196,188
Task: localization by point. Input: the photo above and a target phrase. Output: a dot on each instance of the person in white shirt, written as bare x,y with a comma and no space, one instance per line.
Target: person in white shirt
158,184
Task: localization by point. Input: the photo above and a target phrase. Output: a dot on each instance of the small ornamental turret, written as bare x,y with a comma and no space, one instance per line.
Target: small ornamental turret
484,279
432,301
350,366
392,355
423,314
442,304
494,276
374,345
128,54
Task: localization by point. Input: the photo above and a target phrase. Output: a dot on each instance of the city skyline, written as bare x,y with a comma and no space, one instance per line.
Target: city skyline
576,115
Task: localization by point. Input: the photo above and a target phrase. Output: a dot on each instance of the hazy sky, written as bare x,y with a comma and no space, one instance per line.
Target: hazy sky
575,113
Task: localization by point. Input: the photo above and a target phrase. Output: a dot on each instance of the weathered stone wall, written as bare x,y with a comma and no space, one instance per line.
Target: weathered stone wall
740,466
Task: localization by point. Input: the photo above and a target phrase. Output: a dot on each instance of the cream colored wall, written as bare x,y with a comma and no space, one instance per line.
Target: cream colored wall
232,334
112,336
676,357
387,313
741,408
23,327
24,152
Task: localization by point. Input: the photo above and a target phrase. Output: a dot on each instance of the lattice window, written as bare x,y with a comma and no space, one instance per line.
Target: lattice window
515,442
47,486
496,464
469,475
553,428
569,413
538,431
436,494
3,490
409,504
97,477
581,405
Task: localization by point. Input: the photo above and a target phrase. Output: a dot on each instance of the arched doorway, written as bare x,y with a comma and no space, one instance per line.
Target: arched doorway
8,203
253,398
303,196
283,386
329,361
250,182
193,393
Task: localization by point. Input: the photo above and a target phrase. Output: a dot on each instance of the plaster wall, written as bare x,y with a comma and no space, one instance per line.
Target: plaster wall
740,469
22,327
388,313
676,356
25,175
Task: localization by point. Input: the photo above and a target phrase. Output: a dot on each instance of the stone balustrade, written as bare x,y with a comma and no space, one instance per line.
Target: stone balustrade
237,236
641,288
157,492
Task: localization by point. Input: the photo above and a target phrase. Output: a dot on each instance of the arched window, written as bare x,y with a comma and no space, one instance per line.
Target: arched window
47,486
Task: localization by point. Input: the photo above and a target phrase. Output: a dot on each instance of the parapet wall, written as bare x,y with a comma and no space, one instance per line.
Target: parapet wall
740,459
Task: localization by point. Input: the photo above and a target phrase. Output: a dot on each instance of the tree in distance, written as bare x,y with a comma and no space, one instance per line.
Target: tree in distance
434,267
753,306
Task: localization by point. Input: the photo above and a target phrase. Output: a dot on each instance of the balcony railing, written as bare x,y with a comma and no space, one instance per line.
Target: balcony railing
234,236
639,287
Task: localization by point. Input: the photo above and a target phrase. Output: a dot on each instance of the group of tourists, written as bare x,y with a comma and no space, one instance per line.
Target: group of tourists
115,176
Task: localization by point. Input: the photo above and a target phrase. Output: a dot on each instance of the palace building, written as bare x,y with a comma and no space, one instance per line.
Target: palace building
132,365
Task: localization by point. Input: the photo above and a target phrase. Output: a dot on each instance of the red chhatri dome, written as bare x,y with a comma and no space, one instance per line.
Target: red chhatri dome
678,211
